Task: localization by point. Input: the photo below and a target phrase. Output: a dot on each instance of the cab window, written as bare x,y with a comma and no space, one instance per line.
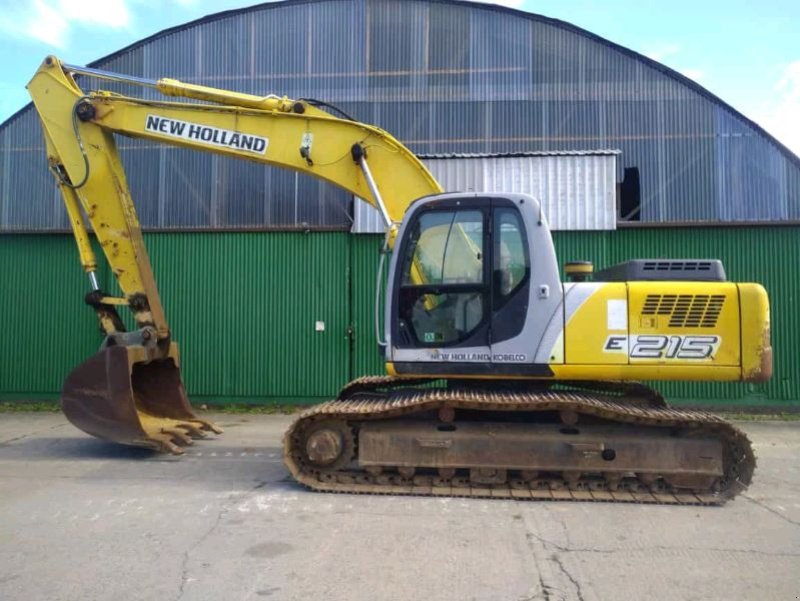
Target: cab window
443,289
511,266
446,248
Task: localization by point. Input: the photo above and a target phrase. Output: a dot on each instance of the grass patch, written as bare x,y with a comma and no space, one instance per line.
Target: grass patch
29,407
746,416
234,408
732,413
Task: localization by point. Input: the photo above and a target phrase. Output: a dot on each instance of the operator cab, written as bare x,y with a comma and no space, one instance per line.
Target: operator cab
464,274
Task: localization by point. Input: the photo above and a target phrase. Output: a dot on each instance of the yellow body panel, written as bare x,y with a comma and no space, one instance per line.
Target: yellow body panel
603,314
628,372
756,345
688,373
664,330
664,323
687,323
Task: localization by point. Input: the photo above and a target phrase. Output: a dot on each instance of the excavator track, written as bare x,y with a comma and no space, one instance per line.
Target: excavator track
369,411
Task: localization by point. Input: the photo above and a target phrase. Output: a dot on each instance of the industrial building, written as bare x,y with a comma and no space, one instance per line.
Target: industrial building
267,276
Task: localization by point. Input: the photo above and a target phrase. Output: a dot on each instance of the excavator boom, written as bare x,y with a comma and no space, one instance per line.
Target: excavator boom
131,390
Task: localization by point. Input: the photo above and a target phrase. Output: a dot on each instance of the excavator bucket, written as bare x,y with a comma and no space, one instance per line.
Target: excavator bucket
114,395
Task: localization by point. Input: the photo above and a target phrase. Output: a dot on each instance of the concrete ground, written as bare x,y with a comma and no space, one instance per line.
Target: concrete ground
83,519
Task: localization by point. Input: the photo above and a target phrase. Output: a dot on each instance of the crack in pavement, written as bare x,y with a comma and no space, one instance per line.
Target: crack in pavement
572,583
546,588
548,543
559,518
549,591
547,579
223,511
770,509
578,590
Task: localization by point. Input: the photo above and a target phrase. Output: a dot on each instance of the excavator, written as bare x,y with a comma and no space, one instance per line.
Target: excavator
502,380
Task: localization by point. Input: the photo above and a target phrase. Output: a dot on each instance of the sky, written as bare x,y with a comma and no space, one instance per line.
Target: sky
745,52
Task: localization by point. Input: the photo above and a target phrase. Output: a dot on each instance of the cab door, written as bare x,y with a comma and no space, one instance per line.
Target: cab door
441,308
511,275
527,296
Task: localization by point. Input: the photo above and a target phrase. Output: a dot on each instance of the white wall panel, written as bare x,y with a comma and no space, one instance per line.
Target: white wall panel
577,190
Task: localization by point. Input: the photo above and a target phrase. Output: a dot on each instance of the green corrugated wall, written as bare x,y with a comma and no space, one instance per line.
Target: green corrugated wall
46,328
244,306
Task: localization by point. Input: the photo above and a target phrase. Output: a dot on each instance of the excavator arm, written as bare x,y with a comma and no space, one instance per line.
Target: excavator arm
79,128
131,390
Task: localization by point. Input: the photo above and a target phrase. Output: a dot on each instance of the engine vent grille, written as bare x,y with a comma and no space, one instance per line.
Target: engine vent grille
686,310
663,270
673,266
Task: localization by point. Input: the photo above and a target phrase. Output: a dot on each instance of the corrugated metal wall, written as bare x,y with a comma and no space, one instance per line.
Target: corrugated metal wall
46,327
444,77
578,190
244,307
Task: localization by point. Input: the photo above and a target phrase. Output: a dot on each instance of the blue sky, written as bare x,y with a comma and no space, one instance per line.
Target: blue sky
746,52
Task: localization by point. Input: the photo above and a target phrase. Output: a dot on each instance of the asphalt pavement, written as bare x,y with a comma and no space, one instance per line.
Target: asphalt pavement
84,519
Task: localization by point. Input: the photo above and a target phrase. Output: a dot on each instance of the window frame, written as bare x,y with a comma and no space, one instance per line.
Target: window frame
484,287
494,307
499,300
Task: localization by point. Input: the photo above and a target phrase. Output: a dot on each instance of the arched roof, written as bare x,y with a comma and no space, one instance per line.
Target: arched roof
709,130
690,83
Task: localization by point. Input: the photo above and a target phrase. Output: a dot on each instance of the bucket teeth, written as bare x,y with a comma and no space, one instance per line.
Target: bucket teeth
114,395
172,434
210,426
179,434
162,441
193,429
202,426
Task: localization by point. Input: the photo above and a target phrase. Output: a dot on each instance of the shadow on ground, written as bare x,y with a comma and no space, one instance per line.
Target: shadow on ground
50,448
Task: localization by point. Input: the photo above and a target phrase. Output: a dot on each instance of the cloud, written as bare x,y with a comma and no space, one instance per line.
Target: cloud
695,74
781,116
659,51
51,21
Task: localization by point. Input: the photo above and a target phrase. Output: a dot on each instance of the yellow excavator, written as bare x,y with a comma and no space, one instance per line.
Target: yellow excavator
502,380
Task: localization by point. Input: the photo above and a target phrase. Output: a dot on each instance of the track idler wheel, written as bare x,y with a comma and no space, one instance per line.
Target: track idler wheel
120,395
328,445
